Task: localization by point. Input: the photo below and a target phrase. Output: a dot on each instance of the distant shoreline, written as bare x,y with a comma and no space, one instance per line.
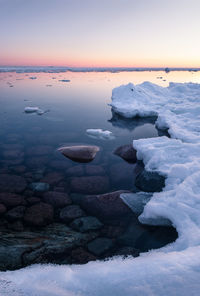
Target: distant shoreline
51,69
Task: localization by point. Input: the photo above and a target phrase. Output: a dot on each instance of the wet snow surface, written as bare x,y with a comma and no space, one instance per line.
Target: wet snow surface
174,269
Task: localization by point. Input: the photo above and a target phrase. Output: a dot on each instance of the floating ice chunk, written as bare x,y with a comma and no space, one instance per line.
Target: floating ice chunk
33,77
100,134
36,110
31,109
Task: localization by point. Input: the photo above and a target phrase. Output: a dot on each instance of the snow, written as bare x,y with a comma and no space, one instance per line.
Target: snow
174,269
100,134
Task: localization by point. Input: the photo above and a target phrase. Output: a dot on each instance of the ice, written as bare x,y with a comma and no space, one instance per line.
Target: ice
36,110
100,134
64,80
33,77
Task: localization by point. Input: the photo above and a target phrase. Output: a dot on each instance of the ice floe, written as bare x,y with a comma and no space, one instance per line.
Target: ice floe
36,110
100,134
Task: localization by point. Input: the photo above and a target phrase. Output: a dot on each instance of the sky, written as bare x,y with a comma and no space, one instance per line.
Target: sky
100,33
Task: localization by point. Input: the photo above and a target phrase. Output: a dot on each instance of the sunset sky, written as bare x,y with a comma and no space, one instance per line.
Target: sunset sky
79,33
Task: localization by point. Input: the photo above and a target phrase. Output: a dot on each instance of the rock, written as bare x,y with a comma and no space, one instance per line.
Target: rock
51,244
94,170
11,199
150,181
111,231
76,198
70,213
127,251
84,224
122,175
39,186
12,183
134,231
39,150
37,161
81,256
89,185
17,153
2,209
53,178
59,165
15,213
57,199
77,171
127,152
16,226
39,214
100,245
32,200
106,206
19,169
80,153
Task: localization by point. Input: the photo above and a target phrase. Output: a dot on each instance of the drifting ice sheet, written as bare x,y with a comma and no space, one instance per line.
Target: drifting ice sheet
175,269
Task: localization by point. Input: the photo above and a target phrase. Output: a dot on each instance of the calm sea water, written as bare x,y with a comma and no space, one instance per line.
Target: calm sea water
31,140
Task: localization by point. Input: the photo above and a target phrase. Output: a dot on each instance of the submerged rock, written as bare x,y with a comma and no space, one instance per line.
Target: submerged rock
2,209
85,224
57,199
39,186
10,199
100,245
70,213
136,201
12,183
39,214
80,153
127,152
150,181
106,206
15,213
89,185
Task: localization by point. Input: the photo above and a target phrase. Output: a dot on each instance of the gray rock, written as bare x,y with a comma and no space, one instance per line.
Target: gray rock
57,199
39,186
86,224
127,152
89,185
122,174
150,181
80,153
77,171
100,246
70,213
94,170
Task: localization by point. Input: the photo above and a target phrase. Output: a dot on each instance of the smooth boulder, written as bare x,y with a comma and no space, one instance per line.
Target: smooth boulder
39,214
150,181
82,153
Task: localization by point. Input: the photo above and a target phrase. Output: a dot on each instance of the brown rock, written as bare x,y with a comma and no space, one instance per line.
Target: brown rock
11,199
80,153
77,171
12,183
15,213
57,199
90,185
81,256
53,178
40,150
106,206
94,170
39,215
127,152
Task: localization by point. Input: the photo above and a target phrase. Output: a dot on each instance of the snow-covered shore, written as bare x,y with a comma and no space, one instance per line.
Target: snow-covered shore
174,269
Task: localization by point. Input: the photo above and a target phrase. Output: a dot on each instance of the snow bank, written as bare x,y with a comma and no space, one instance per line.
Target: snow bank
175,269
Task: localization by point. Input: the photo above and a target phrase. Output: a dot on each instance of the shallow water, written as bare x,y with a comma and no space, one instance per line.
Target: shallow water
72,108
